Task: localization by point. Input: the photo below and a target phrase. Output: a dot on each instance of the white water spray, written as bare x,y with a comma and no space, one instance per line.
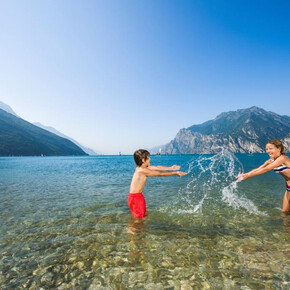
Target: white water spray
214,178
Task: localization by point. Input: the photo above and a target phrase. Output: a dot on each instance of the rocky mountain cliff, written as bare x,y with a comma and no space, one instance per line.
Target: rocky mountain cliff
241,131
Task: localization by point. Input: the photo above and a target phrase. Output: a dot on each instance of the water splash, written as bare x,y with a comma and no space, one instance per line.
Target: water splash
231,197
213,180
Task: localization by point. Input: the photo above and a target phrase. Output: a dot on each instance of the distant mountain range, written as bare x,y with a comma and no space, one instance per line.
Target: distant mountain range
89,151
7,108
241,131
21,138
56,132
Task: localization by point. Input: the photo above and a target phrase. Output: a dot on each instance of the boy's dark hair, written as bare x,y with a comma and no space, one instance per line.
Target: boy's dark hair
139,155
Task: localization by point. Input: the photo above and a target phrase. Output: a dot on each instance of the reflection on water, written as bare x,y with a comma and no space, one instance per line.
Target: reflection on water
73,230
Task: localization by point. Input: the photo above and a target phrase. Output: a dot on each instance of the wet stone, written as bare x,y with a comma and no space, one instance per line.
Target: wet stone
155,286
47,277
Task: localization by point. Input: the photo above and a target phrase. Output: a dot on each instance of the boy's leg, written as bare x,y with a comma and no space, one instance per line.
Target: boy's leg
286,202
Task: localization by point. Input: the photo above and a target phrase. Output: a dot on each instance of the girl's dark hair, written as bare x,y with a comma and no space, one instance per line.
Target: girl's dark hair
139,155
278,144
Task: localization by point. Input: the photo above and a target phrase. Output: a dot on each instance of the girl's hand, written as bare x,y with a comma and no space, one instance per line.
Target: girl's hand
240,177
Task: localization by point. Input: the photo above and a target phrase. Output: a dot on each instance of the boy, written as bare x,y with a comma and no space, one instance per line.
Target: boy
136,199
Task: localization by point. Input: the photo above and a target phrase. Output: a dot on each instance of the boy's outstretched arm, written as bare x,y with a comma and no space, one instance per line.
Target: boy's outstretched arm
165,168
150,172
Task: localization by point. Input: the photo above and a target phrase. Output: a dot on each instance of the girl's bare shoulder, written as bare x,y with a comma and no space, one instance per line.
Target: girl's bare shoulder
286,159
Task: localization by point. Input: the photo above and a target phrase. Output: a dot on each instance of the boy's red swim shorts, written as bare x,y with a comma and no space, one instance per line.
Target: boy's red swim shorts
137,204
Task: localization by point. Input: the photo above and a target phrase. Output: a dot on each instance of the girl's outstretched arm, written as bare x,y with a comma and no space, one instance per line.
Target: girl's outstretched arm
267,166
262,166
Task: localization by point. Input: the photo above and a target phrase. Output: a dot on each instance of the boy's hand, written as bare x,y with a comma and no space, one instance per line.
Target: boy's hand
181,173
175,167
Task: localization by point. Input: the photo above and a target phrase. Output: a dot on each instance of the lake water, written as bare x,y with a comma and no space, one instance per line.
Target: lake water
65,224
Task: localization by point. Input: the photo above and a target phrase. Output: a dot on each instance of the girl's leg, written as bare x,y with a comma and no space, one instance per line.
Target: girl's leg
286,202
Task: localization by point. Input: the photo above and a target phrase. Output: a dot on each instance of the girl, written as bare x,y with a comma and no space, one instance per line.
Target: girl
280,163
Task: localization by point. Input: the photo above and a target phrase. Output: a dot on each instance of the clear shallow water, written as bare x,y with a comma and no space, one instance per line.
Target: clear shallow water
65,224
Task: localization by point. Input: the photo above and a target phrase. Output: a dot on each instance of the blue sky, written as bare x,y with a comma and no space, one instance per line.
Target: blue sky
122,75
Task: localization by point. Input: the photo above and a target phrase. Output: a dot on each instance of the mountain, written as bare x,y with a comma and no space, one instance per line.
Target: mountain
89,151
56,132
21,138
7,108
241,131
